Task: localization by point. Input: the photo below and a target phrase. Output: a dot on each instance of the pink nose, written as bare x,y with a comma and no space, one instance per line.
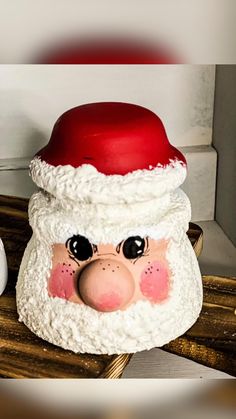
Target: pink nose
106,285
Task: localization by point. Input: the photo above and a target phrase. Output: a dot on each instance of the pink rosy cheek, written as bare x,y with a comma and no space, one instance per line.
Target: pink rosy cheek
154,282
61,282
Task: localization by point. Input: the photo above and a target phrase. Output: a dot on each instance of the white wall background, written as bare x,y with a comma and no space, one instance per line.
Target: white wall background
200,31
33,97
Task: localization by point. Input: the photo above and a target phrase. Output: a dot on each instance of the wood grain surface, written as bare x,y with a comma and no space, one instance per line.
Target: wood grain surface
211,341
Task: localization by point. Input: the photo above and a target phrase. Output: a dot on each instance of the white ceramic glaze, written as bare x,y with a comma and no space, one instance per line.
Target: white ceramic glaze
3,268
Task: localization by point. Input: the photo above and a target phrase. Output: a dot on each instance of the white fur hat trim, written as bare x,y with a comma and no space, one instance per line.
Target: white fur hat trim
86,184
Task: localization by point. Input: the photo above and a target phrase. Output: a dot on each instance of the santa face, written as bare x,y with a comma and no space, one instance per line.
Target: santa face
107,277
56,306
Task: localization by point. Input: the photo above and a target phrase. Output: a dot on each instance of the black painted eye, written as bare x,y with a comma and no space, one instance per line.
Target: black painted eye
80,247
133,247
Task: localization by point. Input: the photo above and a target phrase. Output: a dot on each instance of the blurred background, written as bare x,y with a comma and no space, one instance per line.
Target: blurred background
188,31
114,399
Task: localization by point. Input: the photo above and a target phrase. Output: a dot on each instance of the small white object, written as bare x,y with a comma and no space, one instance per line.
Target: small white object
3,268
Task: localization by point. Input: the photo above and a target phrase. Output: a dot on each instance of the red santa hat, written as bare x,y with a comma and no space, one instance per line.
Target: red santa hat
108,152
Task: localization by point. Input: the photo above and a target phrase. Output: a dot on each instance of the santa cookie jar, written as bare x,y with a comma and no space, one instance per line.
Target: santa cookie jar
109,268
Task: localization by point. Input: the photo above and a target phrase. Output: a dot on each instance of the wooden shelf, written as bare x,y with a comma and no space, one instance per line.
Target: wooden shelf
211,341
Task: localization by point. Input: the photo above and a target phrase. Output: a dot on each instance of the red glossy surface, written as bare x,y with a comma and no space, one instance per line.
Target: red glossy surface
114,137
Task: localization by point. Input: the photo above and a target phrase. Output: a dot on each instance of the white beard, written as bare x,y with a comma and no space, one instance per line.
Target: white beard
79,328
